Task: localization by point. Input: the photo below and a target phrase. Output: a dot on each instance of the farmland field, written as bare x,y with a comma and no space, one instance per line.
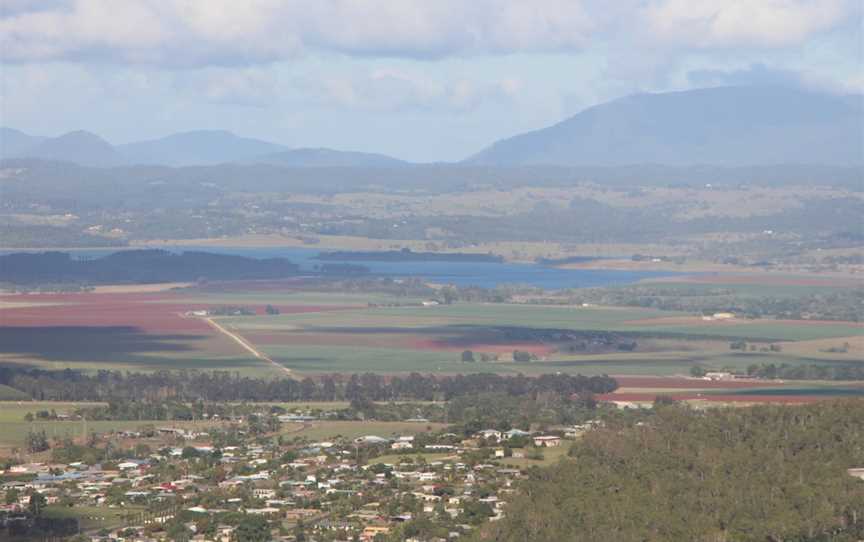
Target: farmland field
143,331
431,339
319,332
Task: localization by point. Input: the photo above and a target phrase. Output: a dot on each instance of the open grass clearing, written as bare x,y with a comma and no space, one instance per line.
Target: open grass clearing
550,457
14,434
396,459
16,411
94,517
327,430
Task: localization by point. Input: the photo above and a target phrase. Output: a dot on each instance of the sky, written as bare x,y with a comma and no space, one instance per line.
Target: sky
422,80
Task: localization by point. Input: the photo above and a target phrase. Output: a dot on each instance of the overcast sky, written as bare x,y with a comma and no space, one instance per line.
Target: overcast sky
418,79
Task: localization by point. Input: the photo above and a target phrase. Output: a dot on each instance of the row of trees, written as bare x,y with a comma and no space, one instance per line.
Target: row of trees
784,371
190,386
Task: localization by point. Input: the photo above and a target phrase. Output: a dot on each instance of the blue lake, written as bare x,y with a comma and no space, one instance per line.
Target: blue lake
487,275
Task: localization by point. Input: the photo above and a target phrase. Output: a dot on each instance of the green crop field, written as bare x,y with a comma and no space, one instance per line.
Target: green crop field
769,288
758,330
430,339
533,316
350,359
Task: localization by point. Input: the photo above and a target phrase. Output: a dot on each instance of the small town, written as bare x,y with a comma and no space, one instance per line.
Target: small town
168,483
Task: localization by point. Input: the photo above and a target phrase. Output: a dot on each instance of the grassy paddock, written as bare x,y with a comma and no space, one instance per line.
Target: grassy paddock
93,517
14,428
550,457
347,429
395,459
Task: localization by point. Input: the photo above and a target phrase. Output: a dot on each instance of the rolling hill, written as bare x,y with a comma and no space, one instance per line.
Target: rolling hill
199,147
15,142
729,126
80,147
328,158
194,148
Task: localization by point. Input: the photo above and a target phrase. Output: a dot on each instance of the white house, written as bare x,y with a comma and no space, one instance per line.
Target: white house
547,441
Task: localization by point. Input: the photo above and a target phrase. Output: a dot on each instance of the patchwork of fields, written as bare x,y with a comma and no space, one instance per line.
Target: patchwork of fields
355,332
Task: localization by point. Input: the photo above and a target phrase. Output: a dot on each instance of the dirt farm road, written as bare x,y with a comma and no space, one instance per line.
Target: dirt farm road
245,344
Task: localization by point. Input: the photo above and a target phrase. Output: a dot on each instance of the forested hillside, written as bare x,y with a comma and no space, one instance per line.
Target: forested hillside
765,473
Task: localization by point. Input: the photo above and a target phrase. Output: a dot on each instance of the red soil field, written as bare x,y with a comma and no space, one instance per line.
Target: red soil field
664,382
642,397
97,310
153,313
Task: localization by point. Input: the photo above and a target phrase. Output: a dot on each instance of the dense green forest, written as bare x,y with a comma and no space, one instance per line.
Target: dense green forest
138,266
763,473
813,371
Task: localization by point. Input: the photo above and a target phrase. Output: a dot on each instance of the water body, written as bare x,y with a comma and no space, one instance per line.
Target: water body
483,274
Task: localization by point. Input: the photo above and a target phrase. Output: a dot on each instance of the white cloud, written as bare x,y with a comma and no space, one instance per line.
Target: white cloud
390,89
194,33
743,23
255,87
186,33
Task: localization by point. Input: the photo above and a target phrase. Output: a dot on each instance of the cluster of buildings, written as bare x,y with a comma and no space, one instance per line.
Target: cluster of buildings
368,488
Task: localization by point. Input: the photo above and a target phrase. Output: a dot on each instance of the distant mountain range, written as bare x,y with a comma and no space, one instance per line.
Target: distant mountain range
196,148
328,158
16,143
730,126
726,126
